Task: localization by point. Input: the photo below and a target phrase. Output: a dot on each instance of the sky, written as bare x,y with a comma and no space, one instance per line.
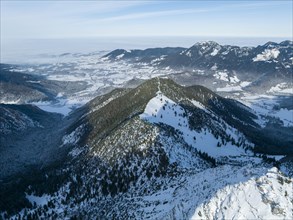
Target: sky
77,19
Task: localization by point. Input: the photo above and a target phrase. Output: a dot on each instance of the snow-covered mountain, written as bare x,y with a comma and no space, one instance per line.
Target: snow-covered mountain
268,58
130,145
223,67
164,151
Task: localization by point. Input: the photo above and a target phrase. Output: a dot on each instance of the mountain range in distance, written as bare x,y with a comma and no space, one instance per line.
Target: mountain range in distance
262,66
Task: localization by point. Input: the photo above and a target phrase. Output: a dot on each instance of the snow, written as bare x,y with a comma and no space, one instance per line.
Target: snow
264,105
214,67
215,52
161,109
75,152
244,84
234,88
226,52
221,76
285,115
199,72
276,157
188,53
62,106
225,192
60,94
267,55
65,77
4,101
30,81
199,105
73,137
262,197
234,79
224,76
229,89
283,88
39,200
158,59
16,121
120,56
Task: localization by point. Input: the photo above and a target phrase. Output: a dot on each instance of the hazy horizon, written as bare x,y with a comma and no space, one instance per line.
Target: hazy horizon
22,50
29,28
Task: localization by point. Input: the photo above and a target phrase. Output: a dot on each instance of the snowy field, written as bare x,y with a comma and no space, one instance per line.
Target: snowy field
265,105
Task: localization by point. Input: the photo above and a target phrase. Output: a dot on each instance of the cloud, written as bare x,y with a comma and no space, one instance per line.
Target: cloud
46,19
186,11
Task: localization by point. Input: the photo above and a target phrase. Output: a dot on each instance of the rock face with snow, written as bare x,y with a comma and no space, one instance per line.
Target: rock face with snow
163,151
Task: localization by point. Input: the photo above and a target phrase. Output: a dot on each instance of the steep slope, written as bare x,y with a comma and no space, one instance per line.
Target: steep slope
23,87
30,144
26,137
138,153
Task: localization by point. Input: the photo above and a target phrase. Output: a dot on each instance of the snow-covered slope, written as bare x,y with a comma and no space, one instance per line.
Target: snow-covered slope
261,193
161,151
161,109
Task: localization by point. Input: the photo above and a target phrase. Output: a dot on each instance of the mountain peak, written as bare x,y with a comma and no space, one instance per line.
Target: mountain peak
207,43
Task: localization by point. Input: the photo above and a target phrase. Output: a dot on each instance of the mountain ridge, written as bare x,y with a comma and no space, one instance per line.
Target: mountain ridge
250,69
133,146
207,54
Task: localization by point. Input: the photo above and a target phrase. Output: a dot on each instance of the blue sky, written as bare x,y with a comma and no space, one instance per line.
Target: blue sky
75,19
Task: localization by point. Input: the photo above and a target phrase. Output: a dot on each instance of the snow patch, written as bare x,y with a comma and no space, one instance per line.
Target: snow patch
75,152
215,52
199,105
244,84
120,56
221,76
267,55
281,88
39,200
229,89
234,79
73,137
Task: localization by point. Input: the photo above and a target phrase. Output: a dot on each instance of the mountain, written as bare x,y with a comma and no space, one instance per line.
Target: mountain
255,69
163,151
28,137
143,55
268,58
20,88
204,108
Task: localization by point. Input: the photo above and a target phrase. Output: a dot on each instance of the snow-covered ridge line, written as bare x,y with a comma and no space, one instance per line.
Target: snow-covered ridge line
161,109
